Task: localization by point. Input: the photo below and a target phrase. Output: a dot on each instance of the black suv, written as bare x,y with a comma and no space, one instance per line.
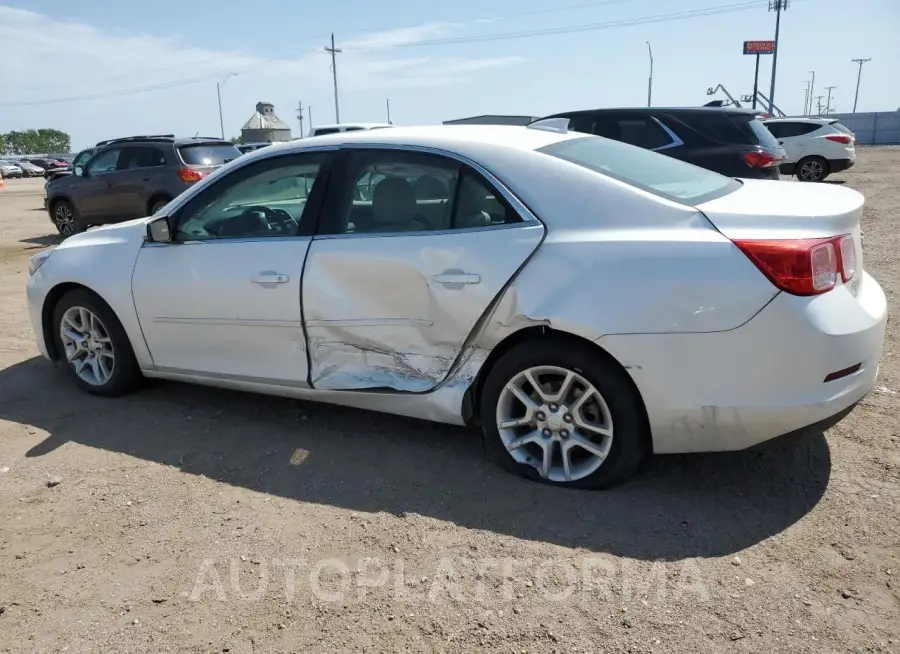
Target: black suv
130,178
726,140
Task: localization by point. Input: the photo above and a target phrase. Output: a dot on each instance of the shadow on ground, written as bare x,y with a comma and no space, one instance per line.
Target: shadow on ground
48,239
679,506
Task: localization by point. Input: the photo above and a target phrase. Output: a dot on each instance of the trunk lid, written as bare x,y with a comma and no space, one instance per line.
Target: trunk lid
763,210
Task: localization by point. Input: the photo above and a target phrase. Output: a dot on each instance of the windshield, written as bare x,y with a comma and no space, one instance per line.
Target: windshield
208,154
656,173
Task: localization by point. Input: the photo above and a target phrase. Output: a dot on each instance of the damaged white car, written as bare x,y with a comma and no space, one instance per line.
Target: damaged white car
582,300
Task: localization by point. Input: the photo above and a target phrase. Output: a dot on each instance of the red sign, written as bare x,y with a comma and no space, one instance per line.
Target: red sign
759,47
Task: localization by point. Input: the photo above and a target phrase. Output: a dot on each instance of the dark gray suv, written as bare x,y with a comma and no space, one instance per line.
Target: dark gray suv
131,178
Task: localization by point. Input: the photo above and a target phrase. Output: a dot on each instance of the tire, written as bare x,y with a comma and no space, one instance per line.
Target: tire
158,204
66,219
613,457
812,169
110,377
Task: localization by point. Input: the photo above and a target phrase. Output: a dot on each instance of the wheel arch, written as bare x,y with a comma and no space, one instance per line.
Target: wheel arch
50,301
537,333
51,201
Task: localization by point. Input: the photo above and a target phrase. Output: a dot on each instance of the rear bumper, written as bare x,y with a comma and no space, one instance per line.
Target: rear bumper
733,390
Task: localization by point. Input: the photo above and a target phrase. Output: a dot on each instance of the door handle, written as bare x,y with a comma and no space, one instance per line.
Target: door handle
456,278
266,278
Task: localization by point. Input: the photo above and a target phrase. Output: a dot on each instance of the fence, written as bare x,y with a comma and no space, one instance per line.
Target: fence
874,127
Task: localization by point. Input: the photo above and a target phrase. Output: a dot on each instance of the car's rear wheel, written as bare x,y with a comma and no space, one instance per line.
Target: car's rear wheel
812,169
65,217
93,345
563,413
157,204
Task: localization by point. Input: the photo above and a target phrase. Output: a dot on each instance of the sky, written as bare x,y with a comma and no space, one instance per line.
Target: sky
100,69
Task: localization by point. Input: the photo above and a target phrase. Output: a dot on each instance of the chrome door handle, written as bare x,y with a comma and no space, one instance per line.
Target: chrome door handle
266,278
456,278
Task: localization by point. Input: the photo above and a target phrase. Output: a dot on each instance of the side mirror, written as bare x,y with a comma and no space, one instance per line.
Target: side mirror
158,231
79,170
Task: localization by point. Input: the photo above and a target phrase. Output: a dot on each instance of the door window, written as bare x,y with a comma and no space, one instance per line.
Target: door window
265,199
140,157
389,192
105,162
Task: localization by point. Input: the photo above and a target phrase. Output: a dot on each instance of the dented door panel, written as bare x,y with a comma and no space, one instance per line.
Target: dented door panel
394,311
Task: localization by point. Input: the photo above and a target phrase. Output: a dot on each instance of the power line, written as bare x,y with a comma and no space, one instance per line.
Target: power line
660,18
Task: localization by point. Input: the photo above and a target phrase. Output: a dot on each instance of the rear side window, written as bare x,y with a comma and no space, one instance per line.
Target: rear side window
787,129
715,125
208,154
642,132
663,176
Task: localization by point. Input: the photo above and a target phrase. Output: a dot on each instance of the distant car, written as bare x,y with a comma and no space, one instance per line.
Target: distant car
250,147
130,178
815,147
322,130
9,170
29,169
582,301
726,140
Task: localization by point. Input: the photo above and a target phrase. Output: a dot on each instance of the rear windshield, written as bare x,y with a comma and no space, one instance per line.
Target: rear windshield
759,134
843,128
208,154
656,173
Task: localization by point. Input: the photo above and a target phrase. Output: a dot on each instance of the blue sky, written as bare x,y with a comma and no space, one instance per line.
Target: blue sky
58,49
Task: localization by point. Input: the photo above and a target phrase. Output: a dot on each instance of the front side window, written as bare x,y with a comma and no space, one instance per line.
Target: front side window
664,176
397,192
82,158
265,199
105,162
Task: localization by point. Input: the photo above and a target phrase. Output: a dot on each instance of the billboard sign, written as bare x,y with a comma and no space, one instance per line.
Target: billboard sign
759,47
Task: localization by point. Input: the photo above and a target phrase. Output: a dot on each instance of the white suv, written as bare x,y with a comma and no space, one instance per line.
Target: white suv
815,147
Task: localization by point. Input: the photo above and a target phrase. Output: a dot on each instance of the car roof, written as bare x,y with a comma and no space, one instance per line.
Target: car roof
660,110
466,140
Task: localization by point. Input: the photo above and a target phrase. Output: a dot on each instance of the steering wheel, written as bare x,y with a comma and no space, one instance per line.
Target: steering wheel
277,220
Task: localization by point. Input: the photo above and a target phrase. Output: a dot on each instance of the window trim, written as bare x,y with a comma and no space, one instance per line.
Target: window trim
528,218
308,221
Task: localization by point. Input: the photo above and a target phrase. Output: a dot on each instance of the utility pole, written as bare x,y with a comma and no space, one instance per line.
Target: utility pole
858,76
806,99
309,113
333,51
812,87
777,6
219,86
828,102
300,116
388,101
650,80
819,103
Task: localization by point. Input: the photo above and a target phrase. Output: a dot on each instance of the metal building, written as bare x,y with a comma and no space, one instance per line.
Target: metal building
264,125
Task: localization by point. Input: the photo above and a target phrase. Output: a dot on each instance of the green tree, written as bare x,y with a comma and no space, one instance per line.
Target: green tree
35,141
237,140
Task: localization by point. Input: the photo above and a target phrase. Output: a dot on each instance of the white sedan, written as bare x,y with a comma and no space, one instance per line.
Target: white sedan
582,300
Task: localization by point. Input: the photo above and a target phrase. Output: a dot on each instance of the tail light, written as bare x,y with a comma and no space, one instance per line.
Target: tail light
761,159
840,138
189,175
803,266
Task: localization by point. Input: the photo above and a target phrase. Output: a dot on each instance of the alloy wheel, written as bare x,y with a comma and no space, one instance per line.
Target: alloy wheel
811,171
64,219
87,345
556,421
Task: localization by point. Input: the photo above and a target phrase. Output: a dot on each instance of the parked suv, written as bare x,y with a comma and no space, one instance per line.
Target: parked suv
726,140
815,147
130,178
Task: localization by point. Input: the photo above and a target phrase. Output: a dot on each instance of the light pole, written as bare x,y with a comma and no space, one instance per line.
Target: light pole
858,76
219,86
812,88
388,100
650,79
828,102
806,98
777,6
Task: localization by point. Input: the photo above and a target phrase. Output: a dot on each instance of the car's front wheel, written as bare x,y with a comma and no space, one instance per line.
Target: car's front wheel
563,413
812,169
93,345
65,218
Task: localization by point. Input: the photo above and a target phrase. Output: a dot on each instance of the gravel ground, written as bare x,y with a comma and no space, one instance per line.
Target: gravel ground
185,519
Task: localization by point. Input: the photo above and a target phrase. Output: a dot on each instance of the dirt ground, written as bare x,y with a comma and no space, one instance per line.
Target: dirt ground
185,519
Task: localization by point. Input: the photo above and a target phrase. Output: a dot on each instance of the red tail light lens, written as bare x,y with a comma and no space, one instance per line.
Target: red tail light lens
803,266
840,138
189,175
760,159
